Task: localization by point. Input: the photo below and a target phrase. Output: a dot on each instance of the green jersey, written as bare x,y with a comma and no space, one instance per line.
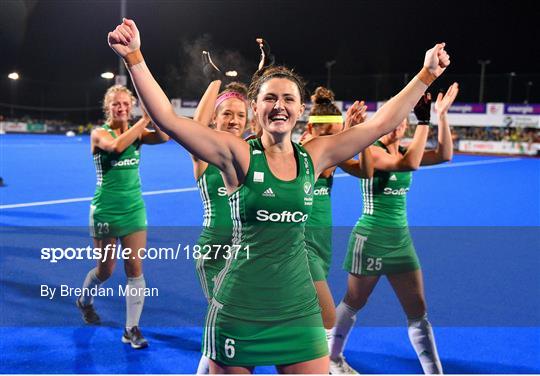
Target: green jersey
319,230
217,228
269,278
321,214
380,242
217,212
117,208
385,197
118,185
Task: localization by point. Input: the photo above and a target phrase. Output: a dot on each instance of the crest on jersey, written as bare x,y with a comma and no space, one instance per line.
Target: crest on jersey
308,188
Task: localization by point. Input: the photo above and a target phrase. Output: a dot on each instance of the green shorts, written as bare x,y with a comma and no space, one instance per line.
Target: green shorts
379,251
236,342
214,248
319,251
114,225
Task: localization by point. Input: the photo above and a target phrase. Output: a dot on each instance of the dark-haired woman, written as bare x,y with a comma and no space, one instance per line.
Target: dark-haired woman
265,308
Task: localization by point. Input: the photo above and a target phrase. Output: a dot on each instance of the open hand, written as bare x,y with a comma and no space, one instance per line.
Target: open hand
443,103
356,114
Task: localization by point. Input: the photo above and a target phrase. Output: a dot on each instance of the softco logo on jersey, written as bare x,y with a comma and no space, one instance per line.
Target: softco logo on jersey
125,162
323,191
284,216
395,192
222,191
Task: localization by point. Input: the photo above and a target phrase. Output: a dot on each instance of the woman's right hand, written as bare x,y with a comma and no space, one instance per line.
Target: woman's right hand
125,38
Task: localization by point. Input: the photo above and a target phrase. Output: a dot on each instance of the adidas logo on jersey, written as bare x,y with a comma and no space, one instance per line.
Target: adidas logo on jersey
268,193
393,177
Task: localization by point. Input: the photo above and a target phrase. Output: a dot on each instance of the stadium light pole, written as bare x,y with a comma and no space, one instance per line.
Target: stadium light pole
528,91
121,66
511,75
329,65
13,76
483,64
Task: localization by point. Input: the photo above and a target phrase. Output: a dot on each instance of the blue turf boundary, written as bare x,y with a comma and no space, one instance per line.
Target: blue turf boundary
176,350
497,284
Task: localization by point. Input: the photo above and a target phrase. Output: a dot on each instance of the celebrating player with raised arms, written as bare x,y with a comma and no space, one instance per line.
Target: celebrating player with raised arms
265,308
380,243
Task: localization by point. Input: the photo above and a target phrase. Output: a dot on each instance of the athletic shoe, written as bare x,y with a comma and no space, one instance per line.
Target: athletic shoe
88,313
135,338
341,367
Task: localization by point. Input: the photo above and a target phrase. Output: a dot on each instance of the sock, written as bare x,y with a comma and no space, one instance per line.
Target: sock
90,281
423,341
345,319
204,366
135,302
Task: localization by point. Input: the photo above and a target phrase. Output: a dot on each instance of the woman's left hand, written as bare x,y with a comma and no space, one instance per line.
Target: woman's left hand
443,103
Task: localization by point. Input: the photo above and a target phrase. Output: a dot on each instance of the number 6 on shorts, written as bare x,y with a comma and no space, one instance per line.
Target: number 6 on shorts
229,348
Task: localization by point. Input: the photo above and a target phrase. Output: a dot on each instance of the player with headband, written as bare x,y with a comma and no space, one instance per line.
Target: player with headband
326,119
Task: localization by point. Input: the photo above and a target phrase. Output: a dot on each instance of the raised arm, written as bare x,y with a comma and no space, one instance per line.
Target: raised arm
227,152
331,150
409,161
444,151
103,140
205,108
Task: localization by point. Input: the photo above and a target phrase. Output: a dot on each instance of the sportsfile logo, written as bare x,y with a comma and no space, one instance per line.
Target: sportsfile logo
125,162
285,216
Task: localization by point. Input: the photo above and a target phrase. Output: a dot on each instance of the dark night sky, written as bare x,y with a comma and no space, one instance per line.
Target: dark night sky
59,47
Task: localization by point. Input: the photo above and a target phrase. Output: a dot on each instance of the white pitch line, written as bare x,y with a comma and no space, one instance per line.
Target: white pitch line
82,199
459,164
472,163
190,189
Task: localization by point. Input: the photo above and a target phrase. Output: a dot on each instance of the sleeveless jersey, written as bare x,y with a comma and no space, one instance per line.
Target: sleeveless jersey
118,185
321,214
385,197
271,281
217,212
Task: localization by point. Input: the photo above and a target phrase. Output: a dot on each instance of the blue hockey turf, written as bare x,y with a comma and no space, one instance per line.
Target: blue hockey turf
475,223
